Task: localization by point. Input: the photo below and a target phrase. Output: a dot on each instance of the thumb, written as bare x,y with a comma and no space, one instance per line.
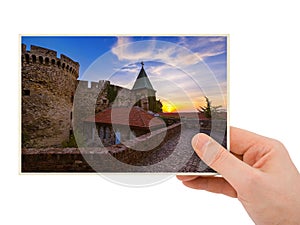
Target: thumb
218,158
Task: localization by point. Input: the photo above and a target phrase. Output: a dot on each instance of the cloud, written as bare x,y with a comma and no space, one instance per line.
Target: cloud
152,50
205,46
126,51
130,68
187,51
158,69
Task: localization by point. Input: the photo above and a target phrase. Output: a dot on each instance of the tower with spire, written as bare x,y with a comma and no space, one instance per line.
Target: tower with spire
143,91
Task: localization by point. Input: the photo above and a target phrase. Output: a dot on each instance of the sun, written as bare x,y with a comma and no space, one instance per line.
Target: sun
167,107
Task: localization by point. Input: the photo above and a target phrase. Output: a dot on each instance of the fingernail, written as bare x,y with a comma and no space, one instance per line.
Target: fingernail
200,142
206,148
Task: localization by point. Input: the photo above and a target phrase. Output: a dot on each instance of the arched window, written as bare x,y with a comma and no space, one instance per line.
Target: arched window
71,69
52,61
47,61
34,59
63,65
41,59
67,68
58,64
27,58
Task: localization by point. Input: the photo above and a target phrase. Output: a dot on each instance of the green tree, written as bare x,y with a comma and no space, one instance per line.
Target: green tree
208,109
158,106
112,94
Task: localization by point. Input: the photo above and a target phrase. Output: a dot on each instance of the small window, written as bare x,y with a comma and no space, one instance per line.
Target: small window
27,58
52,61
26,92
58,64
47,61
34,59
41,59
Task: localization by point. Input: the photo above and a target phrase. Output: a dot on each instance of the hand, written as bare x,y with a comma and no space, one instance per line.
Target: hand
258,171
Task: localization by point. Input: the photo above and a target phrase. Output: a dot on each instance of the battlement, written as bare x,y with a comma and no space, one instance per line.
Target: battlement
42,51
91,85
48,57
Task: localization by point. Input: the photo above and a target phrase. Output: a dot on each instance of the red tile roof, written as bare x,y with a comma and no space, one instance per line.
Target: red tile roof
119,115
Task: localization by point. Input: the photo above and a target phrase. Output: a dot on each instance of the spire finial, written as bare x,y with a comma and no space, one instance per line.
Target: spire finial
142,64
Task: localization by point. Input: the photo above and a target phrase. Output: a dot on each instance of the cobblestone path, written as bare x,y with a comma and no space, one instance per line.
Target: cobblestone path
183,157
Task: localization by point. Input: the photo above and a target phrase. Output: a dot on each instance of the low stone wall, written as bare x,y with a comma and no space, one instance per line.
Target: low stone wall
74,160
54,160
134,156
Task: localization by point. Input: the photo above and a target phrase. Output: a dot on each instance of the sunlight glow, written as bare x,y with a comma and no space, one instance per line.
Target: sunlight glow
168,107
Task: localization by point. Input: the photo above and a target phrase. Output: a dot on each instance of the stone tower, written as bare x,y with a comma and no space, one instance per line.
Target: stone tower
48,87
144,91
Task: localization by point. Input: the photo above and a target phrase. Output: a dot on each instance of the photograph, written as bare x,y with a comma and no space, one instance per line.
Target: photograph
121,104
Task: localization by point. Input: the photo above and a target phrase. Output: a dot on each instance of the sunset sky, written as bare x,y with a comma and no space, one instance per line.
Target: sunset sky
182,69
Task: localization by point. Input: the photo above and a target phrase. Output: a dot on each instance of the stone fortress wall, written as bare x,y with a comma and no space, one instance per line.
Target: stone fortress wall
48,86
94,98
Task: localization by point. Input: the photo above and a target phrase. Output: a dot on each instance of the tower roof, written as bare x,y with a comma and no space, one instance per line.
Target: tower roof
142,81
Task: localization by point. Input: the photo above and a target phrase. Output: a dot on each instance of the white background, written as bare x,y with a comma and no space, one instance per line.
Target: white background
264,92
